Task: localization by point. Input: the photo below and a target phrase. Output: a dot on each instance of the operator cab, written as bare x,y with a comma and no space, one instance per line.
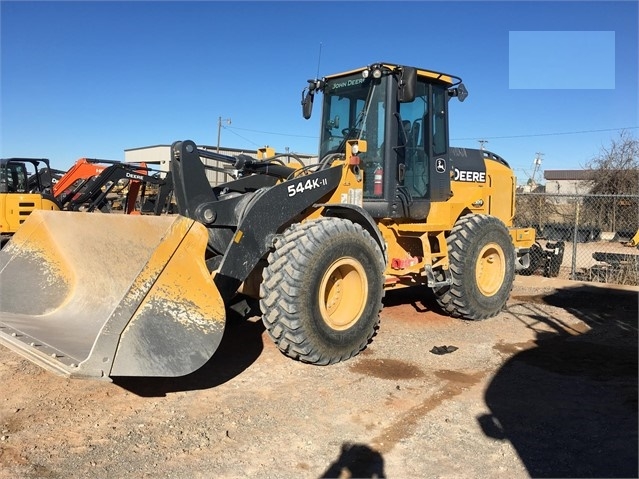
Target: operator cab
401,113
24,175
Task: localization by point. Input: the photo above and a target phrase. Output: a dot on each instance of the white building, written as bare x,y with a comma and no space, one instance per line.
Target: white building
569,182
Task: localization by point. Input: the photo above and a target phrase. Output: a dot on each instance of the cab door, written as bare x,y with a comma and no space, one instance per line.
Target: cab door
422,152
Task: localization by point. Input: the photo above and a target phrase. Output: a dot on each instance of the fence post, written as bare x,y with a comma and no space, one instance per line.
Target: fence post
540,209
573,267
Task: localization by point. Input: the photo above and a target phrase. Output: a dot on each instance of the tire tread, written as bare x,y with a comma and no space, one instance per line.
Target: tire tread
280,290
453,299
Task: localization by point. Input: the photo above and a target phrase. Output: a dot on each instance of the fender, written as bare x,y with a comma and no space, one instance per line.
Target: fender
269,210
358,215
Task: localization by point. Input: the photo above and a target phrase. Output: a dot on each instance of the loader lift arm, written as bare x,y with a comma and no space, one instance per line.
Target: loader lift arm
244,218
81,170
193,189
91,194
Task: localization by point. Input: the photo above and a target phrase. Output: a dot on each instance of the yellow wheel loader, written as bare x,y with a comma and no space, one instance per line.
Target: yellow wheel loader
25,185
389,204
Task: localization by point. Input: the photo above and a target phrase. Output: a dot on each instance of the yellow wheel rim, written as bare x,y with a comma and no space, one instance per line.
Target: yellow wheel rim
491,268
343,293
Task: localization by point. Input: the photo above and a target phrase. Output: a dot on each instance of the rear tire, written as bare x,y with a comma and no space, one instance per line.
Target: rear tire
537,260
322,290
482,266
554,259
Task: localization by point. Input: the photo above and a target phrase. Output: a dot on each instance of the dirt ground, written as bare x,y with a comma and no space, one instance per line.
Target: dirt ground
546,389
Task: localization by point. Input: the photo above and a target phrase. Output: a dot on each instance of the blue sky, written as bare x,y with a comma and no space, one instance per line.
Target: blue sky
91,79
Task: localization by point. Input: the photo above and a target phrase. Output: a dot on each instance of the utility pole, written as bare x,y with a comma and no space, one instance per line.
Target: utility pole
219,129
481,144
537,163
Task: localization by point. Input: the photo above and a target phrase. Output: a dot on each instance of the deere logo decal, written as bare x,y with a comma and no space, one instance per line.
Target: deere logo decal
135,177
471,176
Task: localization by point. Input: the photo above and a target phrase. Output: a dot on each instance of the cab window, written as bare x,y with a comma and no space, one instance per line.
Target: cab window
440,142
15,176
413,137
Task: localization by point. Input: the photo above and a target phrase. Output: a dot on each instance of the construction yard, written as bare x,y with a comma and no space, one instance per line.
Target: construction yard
548,388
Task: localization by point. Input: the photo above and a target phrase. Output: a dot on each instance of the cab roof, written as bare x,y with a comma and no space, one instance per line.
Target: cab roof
34,161
447,79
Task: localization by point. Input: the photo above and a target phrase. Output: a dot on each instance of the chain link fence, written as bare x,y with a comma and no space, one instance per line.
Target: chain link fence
582,237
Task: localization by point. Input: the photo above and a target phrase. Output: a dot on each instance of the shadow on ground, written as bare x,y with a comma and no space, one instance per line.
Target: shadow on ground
356,461
421,298
240,347
569,405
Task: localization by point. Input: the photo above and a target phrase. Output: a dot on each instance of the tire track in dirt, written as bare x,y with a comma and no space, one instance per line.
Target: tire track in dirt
455,384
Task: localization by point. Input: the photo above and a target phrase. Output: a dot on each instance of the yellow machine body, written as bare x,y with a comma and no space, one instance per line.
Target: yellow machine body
15,207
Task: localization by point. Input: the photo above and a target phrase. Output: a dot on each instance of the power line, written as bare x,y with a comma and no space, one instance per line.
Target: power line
236,134
483,138
272,133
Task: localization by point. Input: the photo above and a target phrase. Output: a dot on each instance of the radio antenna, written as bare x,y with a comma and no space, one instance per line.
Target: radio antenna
319,58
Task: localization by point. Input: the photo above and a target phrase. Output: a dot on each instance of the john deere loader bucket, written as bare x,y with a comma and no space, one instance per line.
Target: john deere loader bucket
99,295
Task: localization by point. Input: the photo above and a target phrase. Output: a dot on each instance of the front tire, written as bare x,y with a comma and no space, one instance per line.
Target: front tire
322,290
482,265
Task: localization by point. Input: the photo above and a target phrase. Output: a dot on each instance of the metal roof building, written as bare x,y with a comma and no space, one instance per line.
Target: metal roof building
569,175
569,182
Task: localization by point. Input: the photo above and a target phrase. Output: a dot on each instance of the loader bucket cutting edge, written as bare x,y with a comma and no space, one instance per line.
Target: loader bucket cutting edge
98,295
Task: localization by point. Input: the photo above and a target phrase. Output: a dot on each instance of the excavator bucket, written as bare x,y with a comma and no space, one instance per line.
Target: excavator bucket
96,295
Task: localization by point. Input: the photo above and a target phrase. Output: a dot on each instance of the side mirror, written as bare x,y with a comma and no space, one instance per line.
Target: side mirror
307,103
460,92
307,96
407,85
